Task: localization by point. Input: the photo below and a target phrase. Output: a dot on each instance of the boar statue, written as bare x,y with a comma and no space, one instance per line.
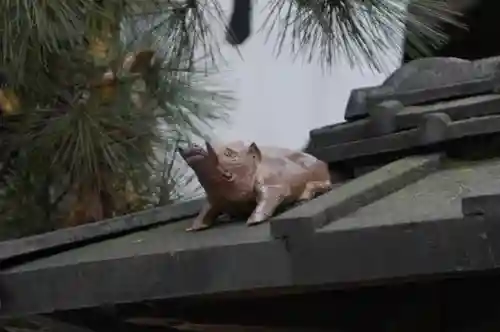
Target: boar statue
245,181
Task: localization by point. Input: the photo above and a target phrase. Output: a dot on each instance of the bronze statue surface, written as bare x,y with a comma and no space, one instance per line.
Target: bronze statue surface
252,182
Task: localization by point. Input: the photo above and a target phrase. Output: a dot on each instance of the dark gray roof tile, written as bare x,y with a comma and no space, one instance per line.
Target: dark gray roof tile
427,80
171,238
431,129
394,116
395,127
57,240
436,196
352,195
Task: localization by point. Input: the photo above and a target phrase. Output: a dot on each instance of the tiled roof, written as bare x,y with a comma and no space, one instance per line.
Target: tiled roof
428,101
389,217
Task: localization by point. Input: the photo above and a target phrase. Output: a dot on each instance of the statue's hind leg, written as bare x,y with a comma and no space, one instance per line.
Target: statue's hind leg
269,198
314,188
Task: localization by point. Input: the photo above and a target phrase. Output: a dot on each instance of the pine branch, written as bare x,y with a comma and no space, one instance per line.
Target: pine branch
361,31
89,128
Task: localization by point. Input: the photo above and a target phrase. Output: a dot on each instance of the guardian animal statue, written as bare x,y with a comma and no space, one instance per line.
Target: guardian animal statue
250,182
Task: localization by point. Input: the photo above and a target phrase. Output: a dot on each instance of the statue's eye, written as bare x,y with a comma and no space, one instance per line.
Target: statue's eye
230,153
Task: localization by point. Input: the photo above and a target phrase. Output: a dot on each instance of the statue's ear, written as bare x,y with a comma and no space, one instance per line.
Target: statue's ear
211,152
254,151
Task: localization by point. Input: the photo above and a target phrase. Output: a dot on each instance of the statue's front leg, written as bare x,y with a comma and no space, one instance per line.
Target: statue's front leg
205,218
268,199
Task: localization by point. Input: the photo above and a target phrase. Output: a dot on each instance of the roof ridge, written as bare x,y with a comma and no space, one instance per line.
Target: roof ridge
308,217
392,126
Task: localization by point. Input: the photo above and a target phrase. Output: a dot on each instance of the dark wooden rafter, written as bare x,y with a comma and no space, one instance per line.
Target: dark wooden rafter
239,28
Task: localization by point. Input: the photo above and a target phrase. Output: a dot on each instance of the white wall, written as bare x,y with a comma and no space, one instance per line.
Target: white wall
279,100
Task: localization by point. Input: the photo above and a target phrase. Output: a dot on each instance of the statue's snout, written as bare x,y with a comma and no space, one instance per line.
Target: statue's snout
192,151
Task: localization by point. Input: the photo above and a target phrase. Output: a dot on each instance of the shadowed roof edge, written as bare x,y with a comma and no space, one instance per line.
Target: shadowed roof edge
84,234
